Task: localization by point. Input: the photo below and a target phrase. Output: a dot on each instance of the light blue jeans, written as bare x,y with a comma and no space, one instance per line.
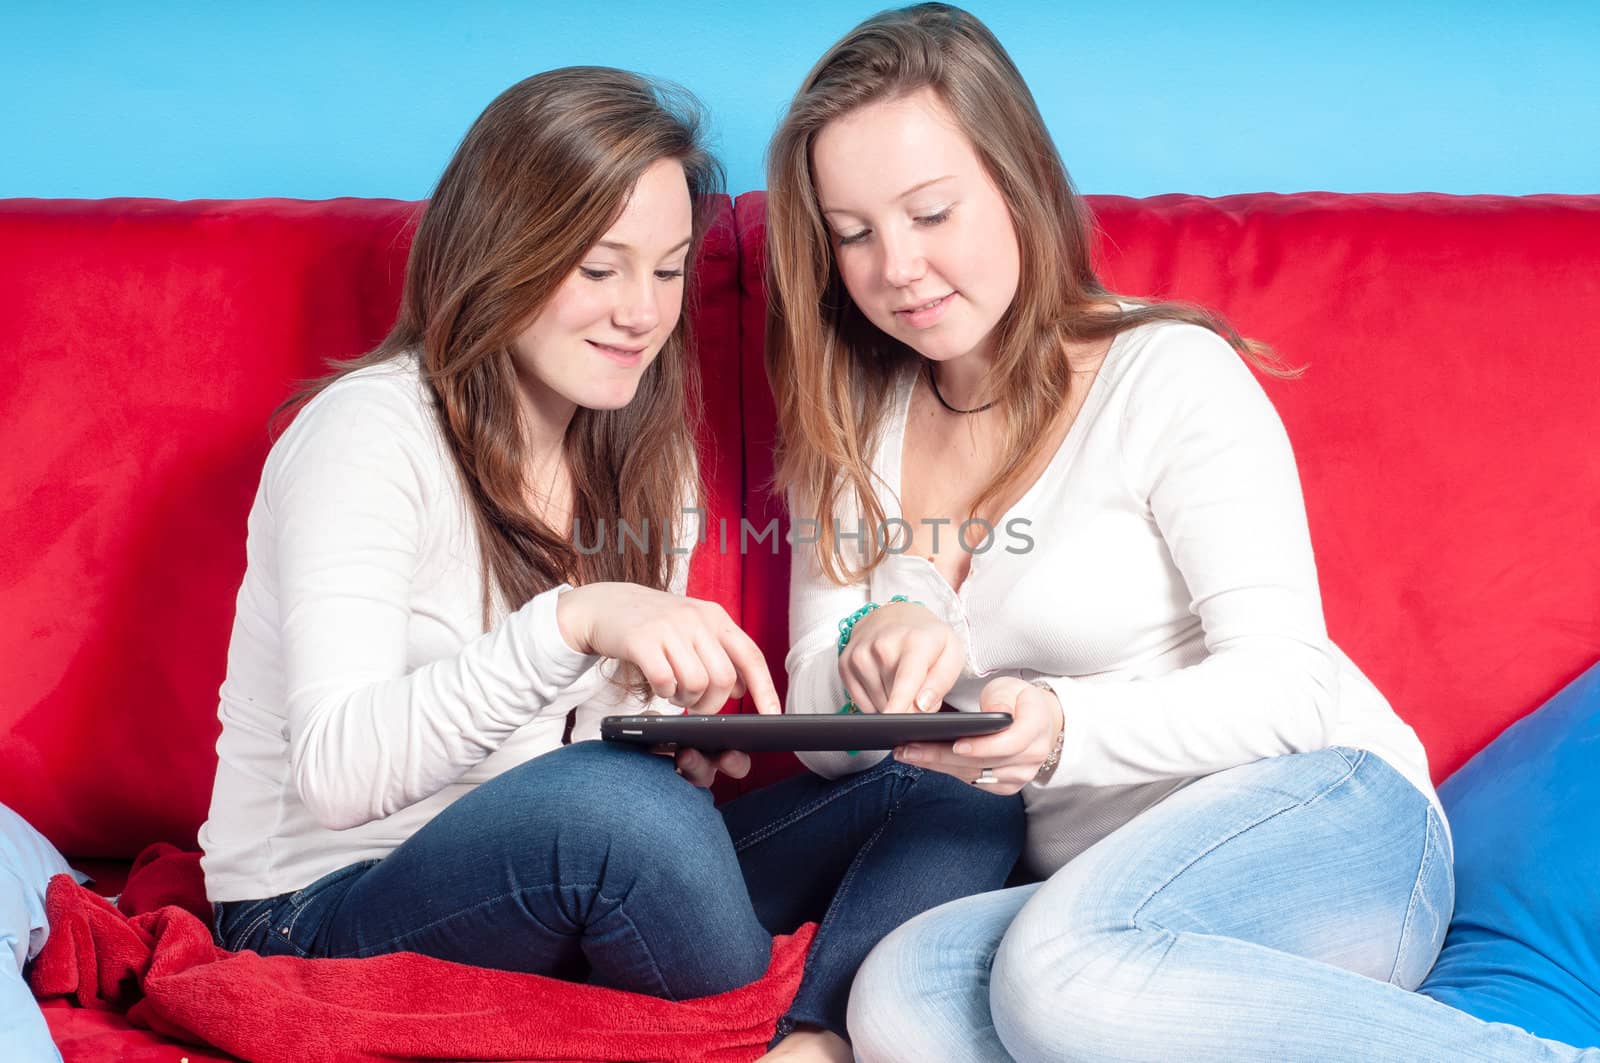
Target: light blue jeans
1283,910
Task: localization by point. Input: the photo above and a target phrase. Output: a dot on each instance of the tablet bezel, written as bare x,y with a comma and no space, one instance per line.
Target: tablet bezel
854,732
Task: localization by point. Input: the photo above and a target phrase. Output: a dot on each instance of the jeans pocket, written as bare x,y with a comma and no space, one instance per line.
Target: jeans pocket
288,924
1351,757
301,923
1428,915
235,925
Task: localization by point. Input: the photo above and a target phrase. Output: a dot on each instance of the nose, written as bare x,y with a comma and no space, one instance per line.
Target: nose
903,262
638,306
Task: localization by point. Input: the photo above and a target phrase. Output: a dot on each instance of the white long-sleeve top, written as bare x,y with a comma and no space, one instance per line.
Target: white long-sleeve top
1168,596
363,695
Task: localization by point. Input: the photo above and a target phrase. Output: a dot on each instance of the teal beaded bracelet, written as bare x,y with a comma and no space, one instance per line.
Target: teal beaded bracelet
848,624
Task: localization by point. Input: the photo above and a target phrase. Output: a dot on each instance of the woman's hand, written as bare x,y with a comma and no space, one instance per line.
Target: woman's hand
701,768
1013,756
690,652
901,658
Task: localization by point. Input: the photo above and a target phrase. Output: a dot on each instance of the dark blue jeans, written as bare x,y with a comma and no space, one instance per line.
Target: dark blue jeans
598,863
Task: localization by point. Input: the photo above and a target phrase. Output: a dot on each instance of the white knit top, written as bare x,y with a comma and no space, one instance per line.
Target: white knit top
362,694
1168,596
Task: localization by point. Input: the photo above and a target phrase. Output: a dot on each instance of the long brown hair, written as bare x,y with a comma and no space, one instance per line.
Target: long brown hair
832,371
539,178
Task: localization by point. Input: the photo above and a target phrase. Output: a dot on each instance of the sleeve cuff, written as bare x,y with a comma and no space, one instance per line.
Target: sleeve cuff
556,662
1073,737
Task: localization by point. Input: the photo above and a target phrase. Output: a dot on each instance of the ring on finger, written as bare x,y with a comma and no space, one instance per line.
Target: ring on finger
985,777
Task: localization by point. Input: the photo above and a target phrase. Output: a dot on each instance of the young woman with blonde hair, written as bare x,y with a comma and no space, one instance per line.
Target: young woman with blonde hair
419,633
1081,509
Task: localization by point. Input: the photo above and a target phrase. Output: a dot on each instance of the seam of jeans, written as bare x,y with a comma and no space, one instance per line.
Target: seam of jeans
295,911
389,946
905,771
1428,844
655,968
633,928
834,793
294,946
249,930
1303,803
302,898
242,928
834,905
1360,754
287,937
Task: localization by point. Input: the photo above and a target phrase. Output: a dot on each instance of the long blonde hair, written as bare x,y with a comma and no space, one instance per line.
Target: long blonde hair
539,178
831,371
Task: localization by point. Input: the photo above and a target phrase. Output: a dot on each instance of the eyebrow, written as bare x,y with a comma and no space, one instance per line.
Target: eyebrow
913,190
628,248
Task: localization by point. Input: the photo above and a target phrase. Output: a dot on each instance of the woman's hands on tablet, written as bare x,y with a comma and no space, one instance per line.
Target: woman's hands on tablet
690,651
1013,756
901,658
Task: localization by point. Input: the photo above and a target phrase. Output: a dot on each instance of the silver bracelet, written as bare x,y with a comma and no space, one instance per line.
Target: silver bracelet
1054,758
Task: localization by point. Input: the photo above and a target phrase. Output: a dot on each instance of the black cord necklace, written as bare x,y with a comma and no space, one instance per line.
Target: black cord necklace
934,384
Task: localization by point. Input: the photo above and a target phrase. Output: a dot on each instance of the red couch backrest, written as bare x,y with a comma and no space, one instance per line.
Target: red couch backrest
1445,430
1447,426
143,344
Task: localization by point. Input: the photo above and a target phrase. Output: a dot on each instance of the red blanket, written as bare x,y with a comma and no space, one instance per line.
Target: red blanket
160,965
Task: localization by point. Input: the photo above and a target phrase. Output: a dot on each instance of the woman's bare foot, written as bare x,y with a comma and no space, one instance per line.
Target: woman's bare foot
810,1045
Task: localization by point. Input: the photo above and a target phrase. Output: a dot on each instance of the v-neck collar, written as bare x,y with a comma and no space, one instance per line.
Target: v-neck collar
891,456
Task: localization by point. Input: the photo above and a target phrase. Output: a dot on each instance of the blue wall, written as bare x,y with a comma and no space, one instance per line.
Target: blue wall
368,99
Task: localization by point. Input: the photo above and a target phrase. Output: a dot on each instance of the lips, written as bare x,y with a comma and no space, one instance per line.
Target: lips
617,353
925,305
923,314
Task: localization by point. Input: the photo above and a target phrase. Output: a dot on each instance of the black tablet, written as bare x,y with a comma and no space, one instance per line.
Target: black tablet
801,732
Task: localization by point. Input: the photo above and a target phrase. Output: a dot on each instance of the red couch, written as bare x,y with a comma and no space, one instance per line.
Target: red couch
1445,429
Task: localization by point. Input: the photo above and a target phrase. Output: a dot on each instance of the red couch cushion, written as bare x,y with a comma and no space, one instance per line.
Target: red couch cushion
144,343
1445,427
86,1036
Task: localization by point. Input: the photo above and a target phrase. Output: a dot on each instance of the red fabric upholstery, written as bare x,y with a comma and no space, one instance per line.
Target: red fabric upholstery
1445,426
143,344
765,591
85,1036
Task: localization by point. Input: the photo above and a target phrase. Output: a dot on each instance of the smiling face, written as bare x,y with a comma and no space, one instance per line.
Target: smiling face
923,239
590,344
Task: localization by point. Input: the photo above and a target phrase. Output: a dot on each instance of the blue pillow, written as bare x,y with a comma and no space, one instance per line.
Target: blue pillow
1524,946
27,861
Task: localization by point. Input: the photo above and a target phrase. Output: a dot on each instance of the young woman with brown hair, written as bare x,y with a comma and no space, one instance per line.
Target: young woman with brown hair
1243,854
418,632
